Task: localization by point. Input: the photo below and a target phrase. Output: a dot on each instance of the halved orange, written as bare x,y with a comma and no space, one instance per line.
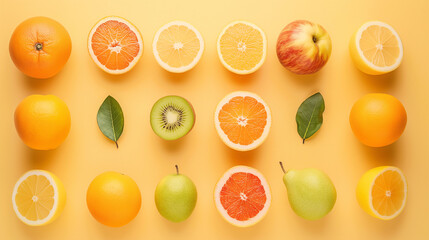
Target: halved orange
115,45
243,120
382,192
242,47
242,196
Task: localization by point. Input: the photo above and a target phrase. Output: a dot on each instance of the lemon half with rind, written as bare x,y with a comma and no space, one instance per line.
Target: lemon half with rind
38,198
376,48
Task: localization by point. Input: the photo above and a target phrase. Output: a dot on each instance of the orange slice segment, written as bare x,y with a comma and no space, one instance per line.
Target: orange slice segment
242,196
242,120
115,45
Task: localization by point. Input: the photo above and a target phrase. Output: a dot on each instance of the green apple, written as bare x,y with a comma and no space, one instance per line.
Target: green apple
176,197
311,192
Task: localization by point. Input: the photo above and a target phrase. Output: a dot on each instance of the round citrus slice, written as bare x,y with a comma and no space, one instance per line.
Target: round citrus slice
38,198
376,48
242,196
382,192
242,120
115,45
178,46
242,47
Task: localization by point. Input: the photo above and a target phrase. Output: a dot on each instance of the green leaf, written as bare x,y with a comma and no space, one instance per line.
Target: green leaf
309,117
110,119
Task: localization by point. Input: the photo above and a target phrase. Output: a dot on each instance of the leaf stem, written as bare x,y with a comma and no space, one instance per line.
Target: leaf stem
177,169
117,146
303,140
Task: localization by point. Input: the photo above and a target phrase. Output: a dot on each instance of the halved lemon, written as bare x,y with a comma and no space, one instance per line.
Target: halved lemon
376,48
382,192
178,46
242,47
115,45
38,198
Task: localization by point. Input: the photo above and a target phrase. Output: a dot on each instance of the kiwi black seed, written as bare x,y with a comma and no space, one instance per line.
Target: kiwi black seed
172,117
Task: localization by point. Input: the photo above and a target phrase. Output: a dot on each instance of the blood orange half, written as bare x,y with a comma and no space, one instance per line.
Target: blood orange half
242,120
115,45
242,196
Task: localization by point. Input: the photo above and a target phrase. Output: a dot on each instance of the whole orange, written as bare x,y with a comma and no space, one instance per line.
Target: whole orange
42,121
113,199
378,119
40,47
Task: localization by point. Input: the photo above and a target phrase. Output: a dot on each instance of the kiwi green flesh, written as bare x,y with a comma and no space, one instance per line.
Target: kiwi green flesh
172,117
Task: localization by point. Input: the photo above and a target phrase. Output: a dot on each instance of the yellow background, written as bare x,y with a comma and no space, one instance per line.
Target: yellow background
201,155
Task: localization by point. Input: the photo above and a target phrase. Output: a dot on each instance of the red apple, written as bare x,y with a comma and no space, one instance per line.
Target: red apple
303,47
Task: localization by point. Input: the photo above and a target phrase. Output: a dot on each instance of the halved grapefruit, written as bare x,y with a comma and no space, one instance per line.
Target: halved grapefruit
115,45
243,120
242,196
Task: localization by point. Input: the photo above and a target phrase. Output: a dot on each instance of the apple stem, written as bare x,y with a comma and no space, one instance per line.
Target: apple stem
314,39
177,169
281,165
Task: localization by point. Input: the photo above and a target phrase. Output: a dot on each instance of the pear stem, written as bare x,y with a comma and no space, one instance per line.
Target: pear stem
281,165
177,169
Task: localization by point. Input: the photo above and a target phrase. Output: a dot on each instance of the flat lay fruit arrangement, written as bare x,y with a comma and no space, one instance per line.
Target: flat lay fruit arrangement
250,129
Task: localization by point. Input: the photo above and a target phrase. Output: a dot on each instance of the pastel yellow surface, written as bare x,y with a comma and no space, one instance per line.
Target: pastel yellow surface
201,155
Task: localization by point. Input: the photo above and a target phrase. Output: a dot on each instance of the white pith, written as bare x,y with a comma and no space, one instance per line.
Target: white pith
116,49
370,64
177,45
243,48
222,182
225,138
54,207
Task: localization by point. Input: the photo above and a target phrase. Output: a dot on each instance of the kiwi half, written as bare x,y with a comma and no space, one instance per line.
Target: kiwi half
172,117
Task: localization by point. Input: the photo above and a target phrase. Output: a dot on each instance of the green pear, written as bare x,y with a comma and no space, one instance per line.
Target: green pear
311,192
175,197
